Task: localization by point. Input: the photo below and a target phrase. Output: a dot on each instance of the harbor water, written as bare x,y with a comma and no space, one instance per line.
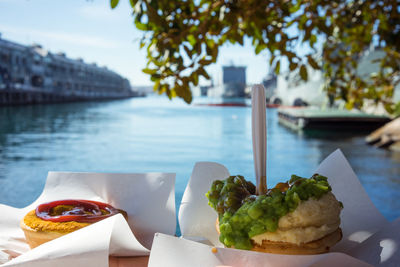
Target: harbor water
155,134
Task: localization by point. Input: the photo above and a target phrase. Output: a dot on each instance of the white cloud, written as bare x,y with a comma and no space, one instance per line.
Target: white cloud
65,37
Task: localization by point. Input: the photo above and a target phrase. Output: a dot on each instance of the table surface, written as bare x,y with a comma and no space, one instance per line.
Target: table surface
129,261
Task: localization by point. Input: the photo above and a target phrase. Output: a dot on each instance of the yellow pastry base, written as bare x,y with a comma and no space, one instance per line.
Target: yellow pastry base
35,238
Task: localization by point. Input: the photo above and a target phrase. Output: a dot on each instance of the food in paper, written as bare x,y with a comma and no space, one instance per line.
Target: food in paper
57,218
301,216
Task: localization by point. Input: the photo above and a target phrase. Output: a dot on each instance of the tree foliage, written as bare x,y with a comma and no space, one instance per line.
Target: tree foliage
183,37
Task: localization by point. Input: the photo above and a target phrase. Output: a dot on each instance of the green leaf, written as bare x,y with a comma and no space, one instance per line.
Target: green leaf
205,62
397,109
114,3
296,7
192,40
277,67
292,66
187,96
349,105
188,51
271,60
313,40
303,73
140,26
156,85
149,71
312,62
197,47
389,107
210,43
155,77
260,47
203,73
195,79
165,88
214,53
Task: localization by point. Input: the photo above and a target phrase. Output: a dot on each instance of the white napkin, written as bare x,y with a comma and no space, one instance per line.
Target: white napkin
170,251
149,200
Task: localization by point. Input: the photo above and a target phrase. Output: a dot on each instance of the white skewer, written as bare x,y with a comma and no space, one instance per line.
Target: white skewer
259,132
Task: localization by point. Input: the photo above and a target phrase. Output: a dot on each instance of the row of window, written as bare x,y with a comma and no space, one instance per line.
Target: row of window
84,87
14,58
79,74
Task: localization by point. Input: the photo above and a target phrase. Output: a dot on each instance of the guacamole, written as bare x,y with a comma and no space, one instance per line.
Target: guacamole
243,215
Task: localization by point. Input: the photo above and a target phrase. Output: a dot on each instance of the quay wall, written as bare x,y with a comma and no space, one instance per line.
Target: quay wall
10,97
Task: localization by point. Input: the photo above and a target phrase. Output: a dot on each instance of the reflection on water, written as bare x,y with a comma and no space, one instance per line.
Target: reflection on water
154,134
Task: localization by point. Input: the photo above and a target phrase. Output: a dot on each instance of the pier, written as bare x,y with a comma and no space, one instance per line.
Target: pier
305,118
20,97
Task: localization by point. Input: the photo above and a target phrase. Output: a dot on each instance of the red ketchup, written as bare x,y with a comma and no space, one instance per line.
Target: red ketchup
86,211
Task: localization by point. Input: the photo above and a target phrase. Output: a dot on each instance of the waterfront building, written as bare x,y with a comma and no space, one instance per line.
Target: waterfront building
233,83
292,90
31,74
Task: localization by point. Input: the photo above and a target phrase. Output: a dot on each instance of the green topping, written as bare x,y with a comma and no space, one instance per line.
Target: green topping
243,215
227,195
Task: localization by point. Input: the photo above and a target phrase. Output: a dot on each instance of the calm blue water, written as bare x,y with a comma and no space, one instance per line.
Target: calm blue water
157,135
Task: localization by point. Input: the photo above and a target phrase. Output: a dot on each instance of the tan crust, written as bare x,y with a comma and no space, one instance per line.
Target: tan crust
34,222
35,238
319,246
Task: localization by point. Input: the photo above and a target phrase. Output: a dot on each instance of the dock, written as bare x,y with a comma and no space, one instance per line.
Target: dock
312,118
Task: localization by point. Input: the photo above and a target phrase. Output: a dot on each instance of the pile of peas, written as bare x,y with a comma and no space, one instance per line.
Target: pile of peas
243,215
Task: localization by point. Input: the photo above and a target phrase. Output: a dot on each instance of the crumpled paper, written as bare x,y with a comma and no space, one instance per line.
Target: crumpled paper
149,200
368,238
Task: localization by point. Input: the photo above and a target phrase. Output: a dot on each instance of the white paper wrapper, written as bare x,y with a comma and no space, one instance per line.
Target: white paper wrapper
361,222
149,200
170,251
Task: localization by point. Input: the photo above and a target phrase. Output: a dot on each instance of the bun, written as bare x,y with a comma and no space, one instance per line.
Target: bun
319,246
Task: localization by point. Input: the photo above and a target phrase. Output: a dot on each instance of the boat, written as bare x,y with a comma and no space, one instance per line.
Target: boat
31,74
222,102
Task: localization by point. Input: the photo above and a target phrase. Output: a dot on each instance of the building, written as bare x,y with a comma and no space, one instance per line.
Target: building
292,90
233,83
31,74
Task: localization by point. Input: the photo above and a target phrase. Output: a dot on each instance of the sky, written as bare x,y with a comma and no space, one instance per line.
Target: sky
91,30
